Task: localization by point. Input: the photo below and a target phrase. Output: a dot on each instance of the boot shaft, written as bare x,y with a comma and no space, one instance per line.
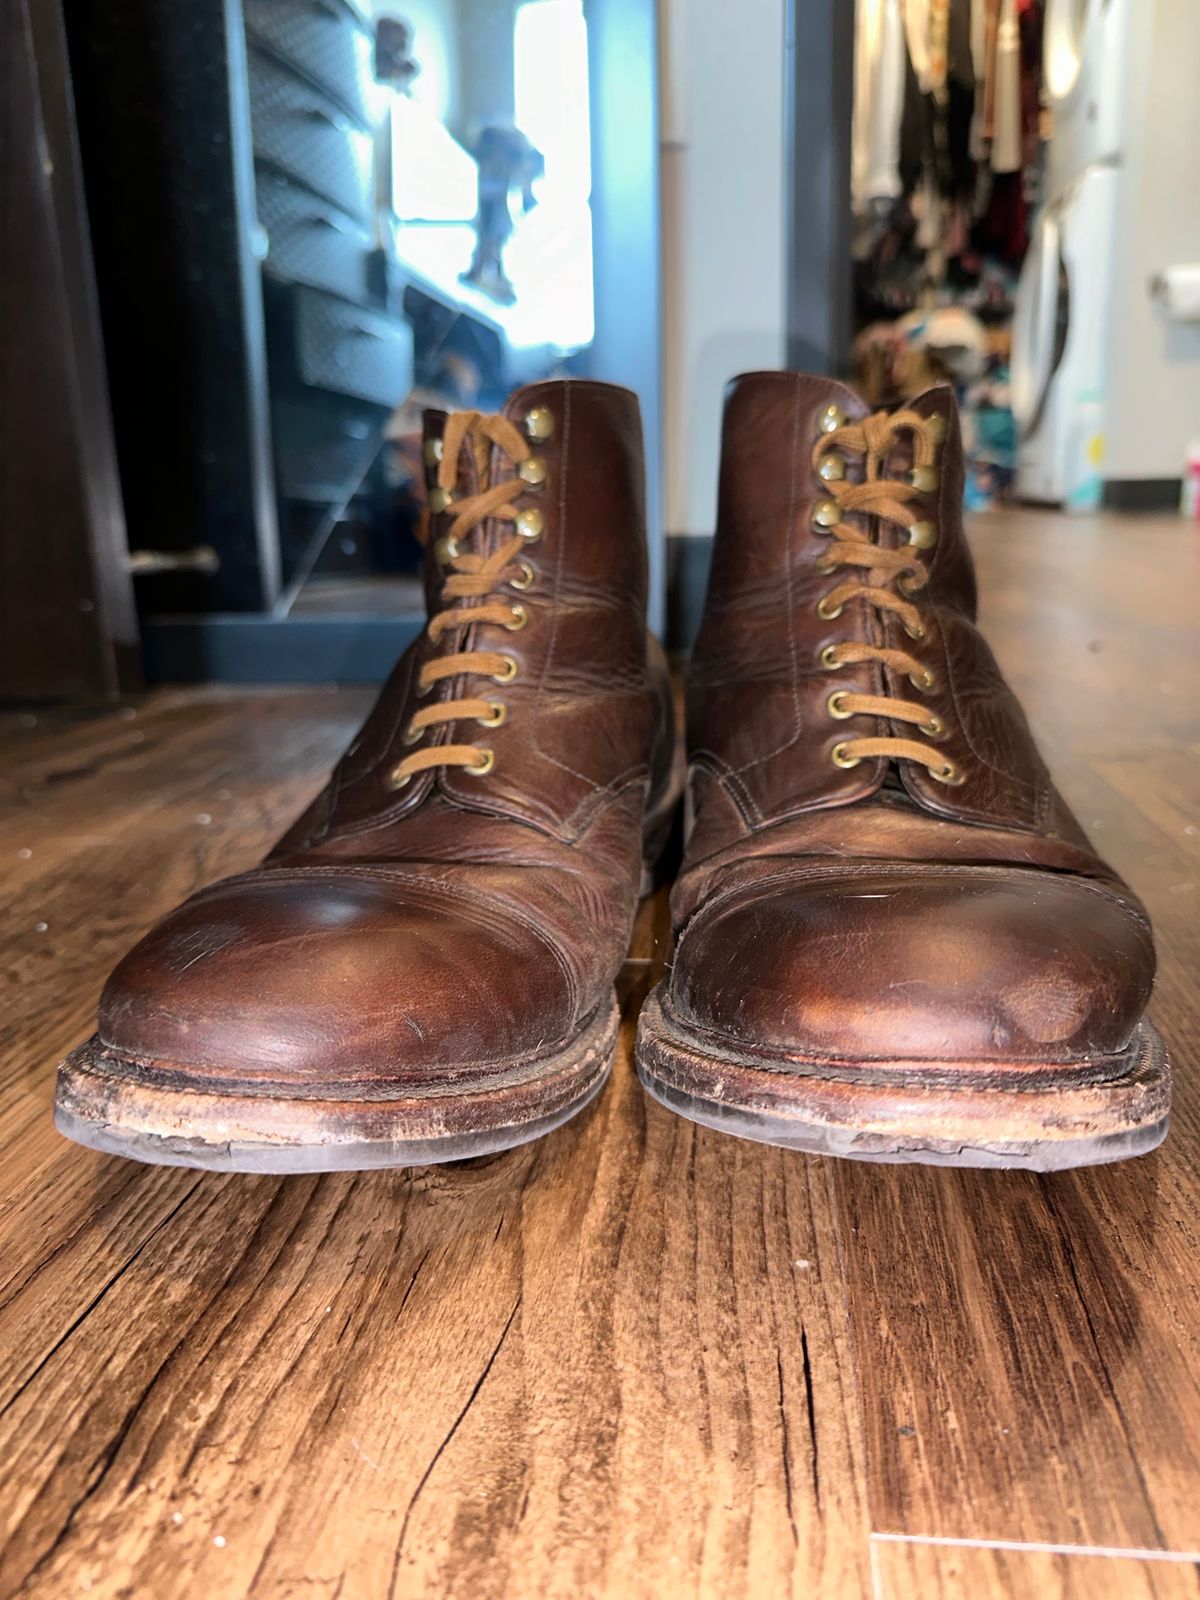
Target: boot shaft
798,625
567,706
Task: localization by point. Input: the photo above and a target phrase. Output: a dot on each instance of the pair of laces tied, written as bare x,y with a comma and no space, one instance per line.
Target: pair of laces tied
472,592
883,578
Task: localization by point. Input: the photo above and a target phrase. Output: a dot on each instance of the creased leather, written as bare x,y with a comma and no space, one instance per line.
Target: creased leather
392,937
873,912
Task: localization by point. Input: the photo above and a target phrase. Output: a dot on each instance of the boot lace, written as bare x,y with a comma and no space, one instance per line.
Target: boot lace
470,592
883,578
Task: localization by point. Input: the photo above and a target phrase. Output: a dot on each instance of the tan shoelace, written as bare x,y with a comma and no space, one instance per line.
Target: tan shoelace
891,500
477,578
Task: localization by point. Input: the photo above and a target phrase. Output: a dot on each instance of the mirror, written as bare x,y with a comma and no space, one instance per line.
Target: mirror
311,220
482,170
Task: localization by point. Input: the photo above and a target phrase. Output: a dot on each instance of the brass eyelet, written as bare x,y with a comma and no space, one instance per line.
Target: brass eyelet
440,500
831,419
911,583
431,451
530,524
509,673
950,774
832,469
922,535
923,680
412,735
445,550
525,581
497,715
836,705
823,566
841,758
518,620
532,471
935,728
396,779
538,423
829,660
924,479
915,633
827,612
480,768
827,514
426,688
936,425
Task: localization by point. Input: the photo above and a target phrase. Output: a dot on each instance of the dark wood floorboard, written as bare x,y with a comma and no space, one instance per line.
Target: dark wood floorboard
941,1572
1029,1348
636,1358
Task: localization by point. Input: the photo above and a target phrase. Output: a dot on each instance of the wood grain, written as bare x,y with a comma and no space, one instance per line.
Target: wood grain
1034,1346
949,1572
638,1357
527,1375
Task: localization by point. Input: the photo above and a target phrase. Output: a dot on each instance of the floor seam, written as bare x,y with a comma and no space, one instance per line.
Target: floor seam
1039,1547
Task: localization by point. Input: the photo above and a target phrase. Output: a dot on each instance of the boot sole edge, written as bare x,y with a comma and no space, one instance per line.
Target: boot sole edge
110,1104
979,1123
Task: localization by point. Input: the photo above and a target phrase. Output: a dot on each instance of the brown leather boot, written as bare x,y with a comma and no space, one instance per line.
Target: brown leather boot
894,940
423,968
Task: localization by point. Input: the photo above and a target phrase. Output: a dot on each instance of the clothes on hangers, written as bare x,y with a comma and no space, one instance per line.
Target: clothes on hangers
879,74
946,109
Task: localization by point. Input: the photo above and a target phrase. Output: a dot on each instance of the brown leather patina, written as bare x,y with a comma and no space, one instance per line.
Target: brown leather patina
423,968
894,940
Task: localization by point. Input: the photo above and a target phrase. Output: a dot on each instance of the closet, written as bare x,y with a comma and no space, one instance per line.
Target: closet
948,136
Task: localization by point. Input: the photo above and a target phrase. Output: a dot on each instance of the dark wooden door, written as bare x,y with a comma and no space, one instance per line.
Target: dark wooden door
67,622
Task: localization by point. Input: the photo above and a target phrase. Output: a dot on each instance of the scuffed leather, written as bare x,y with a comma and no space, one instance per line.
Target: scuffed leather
392,935
919,961
873,912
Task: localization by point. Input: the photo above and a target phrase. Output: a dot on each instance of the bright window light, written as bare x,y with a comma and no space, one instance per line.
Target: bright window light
549,257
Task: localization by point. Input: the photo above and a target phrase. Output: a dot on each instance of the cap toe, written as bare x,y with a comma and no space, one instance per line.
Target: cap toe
928,963
338,978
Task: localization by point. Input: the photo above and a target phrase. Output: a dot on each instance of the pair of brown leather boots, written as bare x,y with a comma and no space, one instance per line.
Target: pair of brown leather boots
893,939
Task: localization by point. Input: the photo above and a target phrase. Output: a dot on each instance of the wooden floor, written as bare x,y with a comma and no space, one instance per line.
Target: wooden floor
636,1358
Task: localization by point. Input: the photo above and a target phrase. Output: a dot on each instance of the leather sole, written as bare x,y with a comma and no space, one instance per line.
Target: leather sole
1042,1118
143,1110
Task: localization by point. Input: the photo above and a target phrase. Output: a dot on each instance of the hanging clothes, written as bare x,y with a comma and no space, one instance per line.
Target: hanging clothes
1007,152
946,146
879,70
916,32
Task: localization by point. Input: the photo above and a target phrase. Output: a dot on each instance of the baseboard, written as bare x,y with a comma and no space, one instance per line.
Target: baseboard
688,558
257,649
1142,494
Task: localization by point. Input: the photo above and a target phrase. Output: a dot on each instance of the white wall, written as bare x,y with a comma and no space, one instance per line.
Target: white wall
722,226
1154,364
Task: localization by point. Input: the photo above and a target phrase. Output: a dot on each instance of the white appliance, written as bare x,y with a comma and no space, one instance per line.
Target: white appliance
1060,348
1085,74
1092,348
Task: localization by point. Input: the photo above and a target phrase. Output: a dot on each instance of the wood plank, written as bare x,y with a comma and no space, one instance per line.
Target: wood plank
514,1377
950,1572
611,1363
620,1361
1030,1347
110,808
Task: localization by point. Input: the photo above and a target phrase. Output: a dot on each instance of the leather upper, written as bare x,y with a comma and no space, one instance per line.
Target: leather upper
871,911
462,919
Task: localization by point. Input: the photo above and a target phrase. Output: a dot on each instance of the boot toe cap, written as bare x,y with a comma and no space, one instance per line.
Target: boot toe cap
939,964
340,979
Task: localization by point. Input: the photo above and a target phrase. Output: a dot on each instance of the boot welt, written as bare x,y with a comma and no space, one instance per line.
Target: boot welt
132,1108
1039,1117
